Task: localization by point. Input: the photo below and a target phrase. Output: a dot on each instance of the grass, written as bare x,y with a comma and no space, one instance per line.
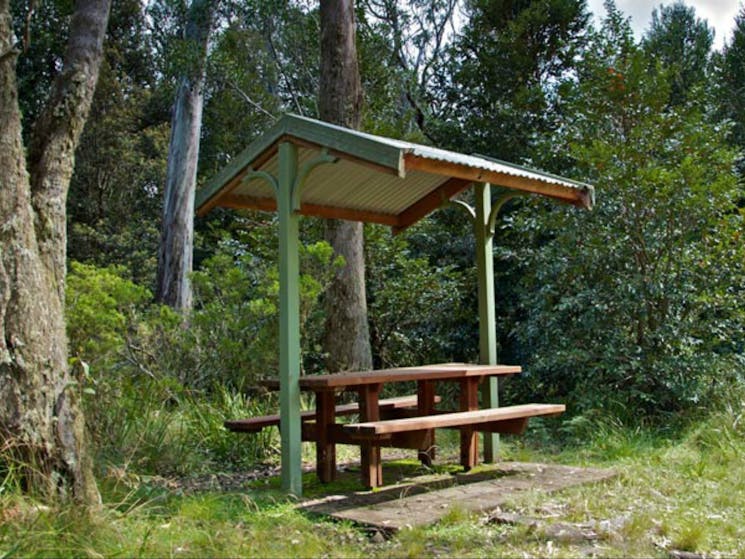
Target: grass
206,525
395,471
671,494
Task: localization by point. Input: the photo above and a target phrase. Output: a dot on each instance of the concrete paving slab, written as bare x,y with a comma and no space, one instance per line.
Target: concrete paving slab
427,500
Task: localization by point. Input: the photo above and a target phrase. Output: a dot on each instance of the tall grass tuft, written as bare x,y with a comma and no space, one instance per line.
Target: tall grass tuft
204,418
608,438
722,434
157,427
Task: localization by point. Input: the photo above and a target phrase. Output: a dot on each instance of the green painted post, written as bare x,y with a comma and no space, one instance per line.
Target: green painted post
487,315
289,322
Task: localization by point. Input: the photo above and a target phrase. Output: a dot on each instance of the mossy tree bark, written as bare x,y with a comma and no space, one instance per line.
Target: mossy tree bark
175,253
347,334
41,421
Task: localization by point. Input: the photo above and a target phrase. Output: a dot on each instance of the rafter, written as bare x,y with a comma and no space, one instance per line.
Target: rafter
430,202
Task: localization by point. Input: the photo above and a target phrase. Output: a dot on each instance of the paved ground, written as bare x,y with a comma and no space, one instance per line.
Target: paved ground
426,500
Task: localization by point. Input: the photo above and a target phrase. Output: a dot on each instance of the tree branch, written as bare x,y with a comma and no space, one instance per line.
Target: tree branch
56,133
243,95
27,27
281,69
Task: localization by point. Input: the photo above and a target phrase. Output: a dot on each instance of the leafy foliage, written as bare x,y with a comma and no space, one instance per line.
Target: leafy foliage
495,95
115,193
681,43
102,308
43,28
416,310
235,326
636,306
156,392
731,83
401,46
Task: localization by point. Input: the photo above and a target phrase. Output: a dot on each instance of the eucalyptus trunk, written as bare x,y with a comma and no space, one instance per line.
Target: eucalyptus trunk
177,229
42,428
347,334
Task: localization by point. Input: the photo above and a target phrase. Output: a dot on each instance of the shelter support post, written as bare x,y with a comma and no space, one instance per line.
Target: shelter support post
289,321
487,314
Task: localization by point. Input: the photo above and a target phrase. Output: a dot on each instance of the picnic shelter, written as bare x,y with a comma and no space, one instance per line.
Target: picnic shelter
303,166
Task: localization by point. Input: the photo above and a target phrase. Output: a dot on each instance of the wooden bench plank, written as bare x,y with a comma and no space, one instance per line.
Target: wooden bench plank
411,440
372,429
256,424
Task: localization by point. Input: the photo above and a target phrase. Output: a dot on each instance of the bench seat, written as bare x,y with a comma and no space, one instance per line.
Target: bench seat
256,424
482,420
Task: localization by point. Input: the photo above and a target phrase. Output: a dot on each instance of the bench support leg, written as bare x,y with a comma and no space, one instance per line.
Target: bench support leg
426,406
469,438
370,458
325,447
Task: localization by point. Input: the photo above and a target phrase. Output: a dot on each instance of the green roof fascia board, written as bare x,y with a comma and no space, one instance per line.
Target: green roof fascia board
341,140
239,163
379,151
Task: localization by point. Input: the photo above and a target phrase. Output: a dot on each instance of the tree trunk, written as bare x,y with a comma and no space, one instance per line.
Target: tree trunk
41,422
347,335
177,230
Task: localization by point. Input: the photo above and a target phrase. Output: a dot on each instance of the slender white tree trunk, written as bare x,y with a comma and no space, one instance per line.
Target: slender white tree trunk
177,230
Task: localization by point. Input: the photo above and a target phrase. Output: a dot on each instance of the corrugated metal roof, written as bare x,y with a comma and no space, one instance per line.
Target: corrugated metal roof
374,179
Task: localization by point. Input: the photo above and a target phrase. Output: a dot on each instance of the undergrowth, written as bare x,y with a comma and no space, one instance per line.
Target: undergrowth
158,427
679,492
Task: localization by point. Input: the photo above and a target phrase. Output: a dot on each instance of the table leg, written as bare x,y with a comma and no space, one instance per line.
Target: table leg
426,406
325,447
469,438
372,467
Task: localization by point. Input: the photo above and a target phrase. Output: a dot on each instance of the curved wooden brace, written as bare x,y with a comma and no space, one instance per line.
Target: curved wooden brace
268,177
461,204
491,224
305,170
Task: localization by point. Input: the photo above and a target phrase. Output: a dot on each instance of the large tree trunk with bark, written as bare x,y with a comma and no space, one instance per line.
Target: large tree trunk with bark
347,334
177,230
41,422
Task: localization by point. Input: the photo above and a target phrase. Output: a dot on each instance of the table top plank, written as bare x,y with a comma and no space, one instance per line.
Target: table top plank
440,371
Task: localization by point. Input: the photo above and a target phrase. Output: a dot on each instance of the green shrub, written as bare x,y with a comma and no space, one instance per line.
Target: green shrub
234,329
158,386
103,308
416,308
635,307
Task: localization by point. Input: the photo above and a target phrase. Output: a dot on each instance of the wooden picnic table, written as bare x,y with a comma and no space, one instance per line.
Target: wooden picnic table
419,434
